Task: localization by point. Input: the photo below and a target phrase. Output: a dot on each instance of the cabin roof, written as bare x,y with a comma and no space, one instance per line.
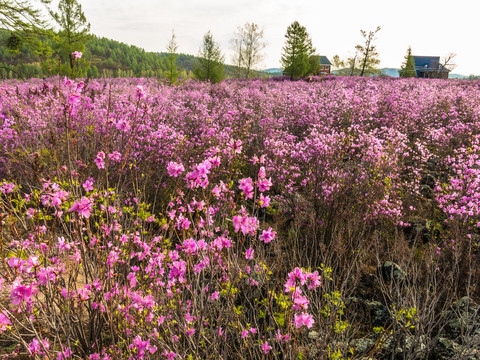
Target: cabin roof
428,63
324,61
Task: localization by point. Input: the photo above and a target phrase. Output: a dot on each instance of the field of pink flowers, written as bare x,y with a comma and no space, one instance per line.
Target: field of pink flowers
243,220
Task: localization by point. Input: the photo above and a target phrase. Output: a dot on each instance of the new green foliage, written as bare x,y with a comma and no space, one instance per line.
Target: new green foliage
297,51
209,66
73,31
369,58
24,23
20,16
172,56
248,45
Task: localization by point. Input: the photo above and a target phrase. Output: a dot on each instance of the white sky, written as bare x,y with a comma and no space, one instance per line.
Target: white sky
431,27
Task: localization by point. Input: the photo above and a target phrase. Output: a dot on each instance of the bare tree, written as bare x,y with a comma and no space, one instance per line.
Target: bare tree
237,47
447,61
338,63
368,52
352,63
248,45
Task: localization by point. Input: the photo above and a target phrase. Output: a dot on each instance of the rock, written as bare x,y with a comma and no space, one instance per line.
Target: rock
392,271
428,180
445,349
379,314
363,346
463,320
426,191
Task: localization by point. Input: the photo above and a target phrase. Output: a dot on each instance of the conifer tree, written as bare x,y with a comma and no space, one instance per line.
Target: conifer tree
297,51
209,66
408,67
73,29
172,56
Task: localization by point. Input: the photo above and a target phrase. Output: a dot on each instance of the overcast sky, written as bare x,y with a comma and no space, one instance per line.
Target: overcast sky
431,27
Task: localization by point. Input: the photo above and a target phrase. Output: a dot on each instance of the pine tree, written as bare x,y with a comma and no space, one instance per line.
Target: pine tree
74,29
172,56
297,51
209,66
408,67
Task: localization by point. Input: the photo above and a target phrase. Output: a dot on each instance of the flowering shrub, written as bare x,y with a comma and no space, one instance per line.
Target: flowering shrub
141,221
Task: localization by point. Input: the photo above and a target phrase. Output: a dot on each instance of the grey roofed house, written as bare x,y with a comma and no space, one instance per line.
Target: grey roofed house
324,60
430,67
325,64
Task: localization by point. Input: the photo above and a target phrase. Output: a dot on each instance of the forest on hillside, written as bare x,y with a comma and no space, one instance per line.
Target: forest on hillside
102,57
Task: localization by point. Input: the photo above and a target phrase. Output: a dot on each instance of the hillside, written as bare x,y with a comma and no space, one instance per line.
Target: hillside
102,58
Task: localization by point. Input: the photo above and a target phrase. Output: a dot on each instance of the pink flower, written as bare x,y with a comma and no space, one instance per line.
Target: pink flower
297,274
190,246
246,185
264,200
315,280
236,146
175,169
6,188
267,235
132,279
34,347
170,355
261,173
215,295
100,160
83,207
264,185
244,334
303,319
45,275
83,294
249,254
65,354
31,212
88,185
139,92
115,156
4,322
301,302
248,225
266,348
21,293
77,55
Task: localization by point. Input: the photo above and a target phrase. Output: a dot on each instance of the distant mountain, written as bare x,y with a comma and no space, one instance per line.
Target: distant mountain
457,76
390,72
393,72
273,71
